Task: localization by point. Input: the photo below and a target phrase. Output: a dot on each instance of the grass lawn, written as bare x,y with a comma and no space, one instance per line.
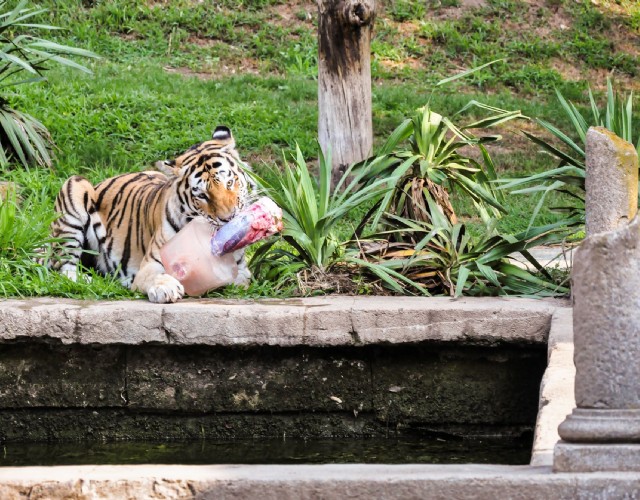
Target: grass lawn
170,71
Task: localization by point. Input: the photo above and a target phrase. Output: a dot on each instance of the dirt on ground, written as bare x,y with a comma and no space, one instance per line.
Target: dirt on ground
542,19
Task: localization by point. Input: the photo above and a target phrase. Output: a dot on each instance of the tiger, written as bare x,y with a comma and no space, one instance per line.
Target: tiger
125,220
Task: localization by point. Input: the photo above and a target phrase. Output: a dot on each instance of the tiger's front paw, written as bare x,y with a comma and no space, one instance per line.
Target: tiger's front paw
165,289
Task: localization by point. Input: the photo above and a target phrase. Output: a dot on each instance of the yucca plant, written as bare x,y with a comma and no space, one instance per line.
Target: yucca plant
24,58
424,160
311,212
441,258
569,175
408,257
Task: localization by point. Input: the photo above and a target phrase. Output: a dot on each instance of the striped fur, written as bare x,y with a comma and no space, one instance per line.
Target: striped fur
126,219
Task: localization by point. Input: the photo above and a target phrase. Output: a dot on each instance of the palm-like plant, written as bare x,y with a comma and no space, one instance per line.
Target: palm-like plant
24,58
421,248
409,256
430,163
443,258
311,212
569,175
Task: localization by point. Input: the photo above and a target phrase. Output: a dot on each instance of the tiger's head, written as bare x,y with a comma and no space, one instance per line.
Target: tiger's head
211,178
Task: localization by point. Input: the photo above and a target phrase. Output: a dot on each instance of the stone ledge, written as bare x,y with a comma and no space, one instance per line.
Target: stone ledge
590,457
312,481
556,388
322,321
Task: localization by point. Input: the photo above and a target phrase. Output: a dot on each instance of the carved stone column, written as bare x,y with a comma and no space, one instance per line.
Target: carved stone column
603,432
611,181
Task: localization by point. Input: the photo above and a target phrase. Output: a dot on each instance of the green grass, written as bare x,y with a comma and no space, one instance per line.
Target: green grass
255,72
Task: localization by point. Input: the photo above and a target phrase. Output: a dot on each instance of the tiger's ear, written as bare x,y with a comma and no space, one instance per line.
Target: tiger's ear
223,135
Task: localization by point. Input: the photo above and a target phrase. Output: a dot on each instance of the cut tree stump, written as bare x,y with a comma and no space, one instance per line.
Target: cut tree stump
344,81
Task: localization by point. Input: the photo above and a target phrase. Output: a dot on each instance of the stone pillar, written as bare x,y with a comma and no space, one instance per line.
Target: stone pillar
611,181
603,432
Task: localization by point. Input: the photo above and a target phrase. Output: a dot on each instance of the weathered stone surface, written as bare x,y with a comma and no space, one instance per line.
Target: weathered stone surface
123,322
212,322
477,321
600,425
260,379
561,331
263,322
584,457
611,181
108,424
354,481
326,321
606,290
462,391
41,375
606,294
327,481
84,322
356,320
329,322
557,398
479,385
39,318
245,357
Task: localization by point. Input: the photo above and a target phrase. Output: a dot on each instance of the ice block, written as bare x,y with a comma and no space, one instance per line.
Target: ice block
187,258
200,257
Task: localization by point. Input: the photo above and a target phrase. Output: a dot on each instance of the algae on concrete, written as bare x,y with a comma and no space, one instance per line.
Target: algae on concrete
71,392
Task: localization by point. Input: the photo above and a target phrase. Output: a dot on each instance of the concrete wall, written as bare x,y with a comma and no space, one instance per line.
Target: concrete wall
310,368
50,392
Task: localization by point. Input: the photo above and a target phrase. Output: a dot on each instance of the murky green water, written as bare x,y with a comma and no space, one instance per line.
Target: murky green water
281,451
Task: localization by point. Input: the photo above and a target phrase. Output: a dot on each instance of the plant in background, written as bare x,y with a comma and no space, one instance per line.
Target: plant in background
311,212
423,157
419,246
439,258
24,58
568,177
422,248
407,257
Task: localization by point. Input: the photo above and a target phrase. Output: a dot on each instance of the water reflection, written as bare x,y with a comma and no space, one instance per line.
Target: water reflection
272,451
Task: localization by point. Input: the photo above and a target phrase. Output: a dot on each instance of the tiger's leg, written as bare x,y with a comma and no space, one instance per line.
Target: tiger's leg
244,274
152,279
79,225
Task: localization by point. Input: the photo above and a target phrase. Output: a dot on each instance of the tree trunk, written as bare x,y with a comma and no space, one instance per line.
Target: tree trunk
344,81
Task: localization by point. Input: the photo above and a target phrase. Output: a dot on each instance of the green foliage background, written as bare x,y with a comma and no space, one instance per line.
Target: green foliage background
170,71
